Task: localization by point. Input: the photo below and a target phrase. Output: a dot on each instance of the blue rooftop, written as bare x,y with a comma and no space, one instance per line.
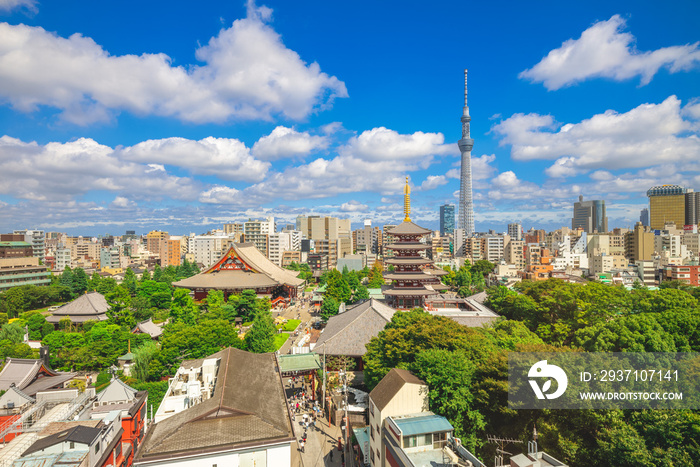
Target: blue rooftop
422,424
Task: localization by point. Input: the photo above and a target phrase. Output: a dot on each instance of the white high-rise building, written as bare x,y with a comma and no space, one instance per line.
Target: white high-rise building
466,204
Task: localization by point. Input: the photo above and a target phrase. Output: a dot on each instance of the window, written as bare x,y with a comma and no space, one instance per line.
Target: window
71,445
371,431
97,447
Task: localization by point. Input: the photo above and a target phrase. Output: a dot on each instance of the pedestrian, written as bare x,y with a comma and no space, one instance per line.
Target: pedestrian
331,454
301,445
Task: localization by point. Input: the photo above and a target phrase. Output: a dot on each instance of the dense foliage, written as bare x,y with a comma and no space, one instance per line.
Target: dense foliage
467,368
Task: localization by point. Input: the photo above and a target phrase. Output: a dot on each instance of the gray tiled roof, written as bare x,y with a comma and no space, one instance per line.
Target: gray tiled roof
248,407
150,328
348,333
90,306
408,228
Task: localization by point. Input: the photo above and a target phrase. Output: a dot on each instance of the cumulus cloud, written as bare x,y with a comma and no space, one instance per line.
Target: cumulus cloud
383,144
644,136
432,182
226,158
604,50
507,186
8,5
481,168
120,202
353,206
248,73
62,171
286,142
221,195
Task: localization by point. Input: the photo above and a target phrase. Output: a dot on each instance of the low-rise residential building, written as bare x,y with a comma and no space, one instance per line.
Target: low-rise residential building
685,273
403,432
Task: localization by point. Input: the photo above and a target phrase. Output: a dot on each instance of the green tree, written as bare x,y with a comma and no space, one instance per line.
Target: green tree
15,301
246,304
329,308
67,279
376,278
94,282
80,281
260,338
338,288
119,312
130,282
183,309
450,377
143,355
13,332
215,303
157,273
361,293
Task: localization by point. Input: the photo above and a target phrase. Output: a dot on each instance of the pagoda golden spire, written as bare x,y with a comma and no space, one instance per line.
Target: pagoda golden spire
407,201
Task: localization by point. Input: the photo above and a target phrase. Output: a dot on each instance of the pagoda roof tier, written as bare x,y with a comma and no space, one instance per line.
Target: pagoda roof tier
408,228
409,291
408,276
407,261
408,246
435,271
439,286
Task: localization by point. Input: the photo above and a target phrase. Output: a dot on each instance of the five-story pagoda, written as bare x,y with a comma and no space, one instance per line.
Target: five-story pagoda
413,279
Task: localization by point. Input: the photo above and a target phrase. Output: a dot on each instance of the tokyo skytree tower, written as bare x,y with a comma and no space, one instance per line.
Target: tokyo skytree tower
466,204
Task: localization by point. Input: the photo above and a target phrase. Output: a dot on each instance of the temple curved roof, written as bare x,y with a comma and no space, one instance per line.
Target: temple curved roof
408,228
242,267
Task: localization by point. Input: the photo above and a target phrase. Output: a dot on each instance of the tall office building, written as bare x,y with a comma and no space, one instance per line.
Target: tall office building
666,205
515,231
466,205
692,207
590,216
447,219
644,217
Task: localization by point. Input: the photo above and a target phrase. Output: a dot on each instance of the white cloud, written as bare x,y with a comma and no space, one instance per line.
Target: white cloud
353,206
507,186
248,74
286,142
646,135
121,202
481,168
603,50
382,144
8,5
62,171
432,182
601,175
228,159
221,195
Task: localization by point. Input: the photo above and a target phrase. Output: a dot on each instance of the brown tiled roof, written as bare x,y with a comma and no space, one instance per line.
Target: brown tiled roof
390,385
408,246
405,261
248,407
349,332
408,228
409,291
227,280
23,372
90,306
394,276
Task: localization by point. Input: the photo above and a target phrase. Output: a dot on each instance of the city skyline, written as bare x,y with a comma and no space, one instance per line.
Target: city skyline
231,111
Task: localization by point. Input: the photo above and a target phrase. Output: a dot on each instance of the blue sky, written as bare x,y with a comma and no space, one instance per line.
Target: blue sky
142,115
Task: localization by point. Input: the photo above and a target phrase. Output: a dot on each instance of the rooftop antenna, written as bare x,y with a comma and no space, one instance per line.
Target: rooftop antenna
501,442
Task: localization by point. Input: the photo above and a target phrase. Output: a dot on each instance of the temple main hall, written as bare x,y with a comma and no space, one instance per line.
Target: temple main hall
245,267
